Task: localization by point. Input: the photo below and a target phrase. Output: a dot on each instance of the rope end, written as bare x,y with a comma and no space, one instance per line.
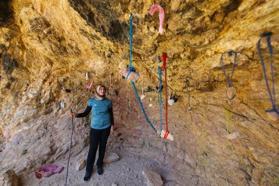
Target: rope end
166,135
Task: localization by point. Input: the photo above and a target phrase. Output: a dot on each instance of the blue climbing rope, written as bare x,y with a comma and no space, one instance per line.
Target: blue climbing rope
271,93
141,106
229,77
132,69
131,41
160,88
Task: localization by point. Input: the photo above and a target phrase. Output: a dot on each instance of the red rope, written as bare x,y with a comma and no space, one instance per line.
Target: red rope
164,59
166,135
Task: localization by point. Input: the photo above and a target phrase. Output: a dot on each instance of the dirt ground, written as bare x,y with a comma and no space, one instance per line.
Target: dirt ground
127,171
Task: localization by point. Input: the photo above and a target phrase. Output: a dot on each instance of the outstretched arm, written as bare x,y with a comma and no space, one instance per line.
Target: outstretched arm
84,113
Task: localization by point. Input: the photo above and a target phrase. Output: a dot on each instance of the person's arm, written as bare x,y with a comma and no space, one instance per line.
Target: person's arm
84,113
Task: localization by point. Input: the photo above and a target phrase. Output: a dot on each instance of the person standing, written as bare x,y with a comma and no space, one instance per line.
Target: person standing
101,126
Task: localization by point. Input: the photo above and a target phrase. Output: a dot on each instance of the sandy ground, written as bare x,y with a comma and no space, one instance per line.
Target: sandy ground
127,171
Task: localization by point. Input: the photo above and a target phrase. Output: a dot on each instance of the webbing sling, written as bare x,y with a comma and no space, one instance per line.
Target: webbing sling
227,76
271,91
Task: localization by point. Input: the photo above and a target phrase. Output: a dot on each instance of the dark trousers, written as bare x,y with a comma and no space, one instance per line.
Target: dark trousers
98,138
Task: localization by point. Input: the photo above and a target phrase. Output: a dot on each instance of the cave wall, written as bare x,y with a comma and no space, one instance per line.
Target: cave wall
47,47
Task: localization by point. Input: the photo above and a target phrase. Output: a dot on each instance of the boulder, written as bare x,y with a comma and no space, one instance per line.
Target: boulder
112,158
80,164
152,178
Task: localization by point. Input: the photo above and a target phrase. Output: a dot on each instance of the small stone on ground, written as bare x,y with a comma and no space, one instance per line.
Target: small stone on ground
152,178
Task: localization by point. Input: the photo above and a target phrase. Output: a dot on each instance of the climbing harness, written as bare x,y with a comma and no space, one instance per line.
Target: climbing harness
157,8
71,143
230,89
274,111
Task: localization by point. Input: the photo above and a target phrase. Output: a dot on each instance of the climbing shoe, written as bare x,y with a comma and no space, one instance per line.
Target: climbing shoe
100,170
87,176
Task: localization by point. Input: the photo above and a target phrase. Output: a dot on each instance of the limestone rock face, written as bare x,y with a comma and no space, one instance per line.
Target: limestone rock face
9,178
53,54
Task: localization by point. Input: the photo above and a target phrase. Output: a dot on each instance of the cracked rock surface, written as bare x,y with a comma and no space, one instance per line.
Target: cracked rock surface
50,50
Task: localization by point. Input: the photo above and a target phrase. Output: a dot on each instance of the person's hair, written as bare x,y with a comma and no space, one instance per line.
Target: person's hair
101,86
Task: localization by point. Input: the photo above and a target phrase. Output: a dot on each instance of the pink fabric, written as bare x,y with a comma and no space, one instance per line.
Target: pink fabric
48,170
157,8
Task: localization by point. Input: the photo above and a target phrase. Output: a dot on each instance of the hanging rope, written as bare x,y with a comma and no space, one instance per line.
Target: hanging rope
131,67
163,133
271,92
164,59
131,41
229,77
141,106
160,92
187,84
231,91
71,143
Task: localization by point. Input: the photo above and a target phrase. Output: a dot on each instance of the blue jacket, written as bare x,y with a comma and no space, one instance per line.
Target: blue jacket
101,113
